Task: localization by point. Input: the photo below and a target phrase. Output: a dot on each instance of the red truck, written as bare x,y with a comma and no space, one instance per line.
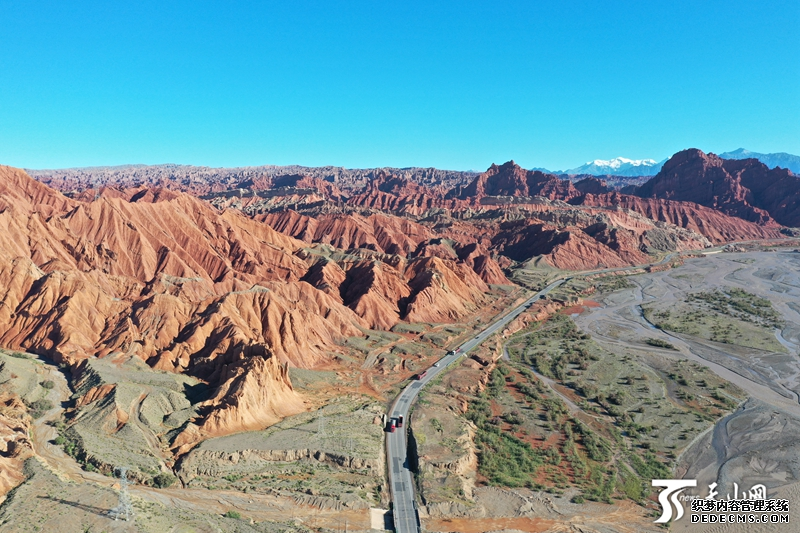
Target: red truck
421,375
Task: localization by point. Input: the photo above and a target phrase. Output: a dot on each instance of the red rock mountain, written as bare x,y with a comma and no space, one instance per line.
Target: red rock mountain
745,188
401,196
710,223
166,278
509,179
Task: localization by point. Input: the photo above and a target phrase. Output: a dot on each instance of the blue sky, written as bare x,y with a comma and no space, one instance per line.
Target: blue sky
454,85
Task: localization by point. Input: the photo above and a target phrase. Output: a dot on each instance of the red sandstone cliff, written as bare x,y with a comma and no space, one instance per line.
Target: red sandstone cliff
745,188
716,226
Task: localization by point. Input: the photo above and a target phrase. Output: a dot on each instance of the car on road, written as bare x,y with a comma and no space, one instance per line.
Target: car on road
392,426
436,363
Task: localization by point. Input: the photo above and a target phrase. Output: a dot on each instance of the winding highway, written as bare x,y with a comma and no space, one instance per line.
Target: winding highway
401,480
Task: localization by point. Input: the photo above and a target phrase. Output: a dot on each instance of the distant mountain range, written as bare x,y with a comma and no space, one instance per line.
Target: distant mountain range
780,159
621,166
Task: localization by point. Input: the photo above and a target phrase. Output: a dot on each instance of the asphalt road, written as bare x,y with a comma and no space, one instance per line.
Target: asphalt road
401,481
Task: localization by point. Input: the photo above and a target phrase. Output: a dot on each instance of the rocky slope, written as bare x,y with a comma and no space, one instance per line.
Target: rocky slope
509,179
745,188
715,226
15,446
167,279
254,393
378,232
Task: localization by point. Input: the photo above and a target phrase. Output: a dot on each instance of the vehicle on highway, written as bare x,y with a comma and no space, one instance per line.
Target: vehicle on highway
391,427
421,375
400,421
451,352
436,363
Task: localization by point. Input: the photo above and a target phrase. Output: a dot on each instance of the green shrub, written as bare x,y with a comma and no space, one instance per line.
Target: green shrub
48,384
504,459
39,407
660,343
163,480
233,514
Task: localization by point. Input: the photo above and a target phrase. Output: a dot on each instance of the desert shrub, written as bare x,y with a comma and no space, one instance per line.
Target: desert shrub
496,382
504,459
649,467
529,391
233,514
597,448
163,480
39,407
659,343
47,384
632,487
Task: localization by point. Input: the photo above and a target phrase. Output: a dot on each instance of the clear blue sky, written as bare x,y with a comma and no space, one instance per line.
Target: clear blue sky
454,85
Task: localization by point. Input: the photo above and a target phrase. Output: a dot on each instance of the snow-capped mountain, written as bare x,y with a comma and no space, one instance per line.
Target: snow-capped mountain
619,166
780,159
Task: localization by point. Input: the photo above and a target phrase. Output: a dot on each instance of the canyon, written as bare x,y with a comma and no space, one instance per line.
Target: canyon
185,303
